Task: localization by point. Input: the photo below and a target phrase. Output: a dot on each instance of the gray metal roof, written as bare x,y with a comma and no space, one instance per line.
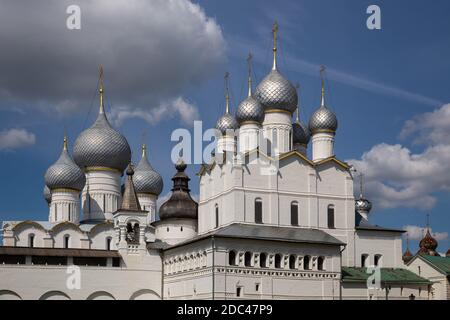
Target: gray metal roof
269,233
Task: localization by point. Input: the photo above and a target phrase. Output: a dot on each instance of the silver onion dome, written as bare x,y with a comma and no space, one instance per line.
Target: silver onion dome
64,173
226,122
101,145
301,134
323,119
146,179
276,92
47,194
363,205
250,110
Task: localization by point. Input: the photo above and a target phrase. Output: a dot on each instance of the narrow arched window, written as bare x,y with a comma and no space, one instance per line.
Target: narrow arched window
330,217
31,240
291,261
258,211
232,258
278,261
108,244
66,241
248,259
263,260
364,260
377,260
294,213
320,263
217,216
307,263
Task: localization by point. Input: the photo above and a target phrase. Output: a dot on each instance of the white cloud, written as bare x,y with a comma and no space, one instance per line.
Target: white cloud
417,233
16,138
397,177
170,109
152,51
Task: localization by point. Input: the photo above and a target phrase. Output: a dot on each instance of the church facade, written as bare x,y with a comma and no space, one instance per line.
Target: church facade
270,223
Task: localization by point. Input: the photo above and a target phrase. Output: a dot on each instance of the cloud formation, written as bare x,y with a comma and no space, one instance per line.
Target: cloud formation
417,233
151,52
177,107
16,138
397,177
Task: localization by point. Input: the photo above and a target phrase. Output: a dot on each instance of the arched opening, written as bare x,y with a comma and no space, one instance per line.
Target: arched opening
232,258
320,263
108,243
291,261
364,260
307,263
101,295
66,241
31,240
377,260
331,217
278,261
9,295
216,216
258,211
263,260
54,295
294,213
248,259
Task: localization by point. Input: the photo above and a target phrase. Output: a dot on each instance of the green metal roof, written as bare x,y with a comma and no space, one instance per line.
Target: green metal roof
440,263
388,275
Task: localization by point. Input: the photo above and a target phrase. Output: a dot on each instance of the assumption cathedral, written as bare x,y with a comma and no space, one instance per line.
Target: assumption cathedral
270,222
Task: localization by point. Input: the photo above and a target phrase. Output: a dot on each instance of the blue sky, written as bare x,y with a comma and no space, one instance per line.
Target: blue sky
377,80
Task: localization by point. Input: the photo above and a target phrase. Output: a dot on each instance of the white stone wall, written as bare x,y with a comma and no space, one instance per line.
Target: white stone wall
194,280
359,291
277,129
148,203
440,284
50,282
173,231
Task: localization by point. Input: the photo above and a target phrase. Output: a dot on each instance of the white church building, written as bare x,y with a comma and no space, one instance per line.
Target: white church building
270,223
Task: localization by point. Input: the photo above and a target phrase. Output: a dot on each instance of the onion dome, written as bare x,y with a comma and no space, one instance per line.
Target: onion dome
101,145
180,204
146,179
323,119
275,91
428,242
363,205
301,134
130,201
64,173
227,121
250,110
47,194
407,256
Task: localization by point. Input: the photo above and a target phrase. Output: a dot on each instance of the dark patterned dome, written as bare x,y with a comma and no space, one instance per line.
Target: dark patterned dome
428,242
180,204
301,134
276,92
146,179
102,146
64,173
